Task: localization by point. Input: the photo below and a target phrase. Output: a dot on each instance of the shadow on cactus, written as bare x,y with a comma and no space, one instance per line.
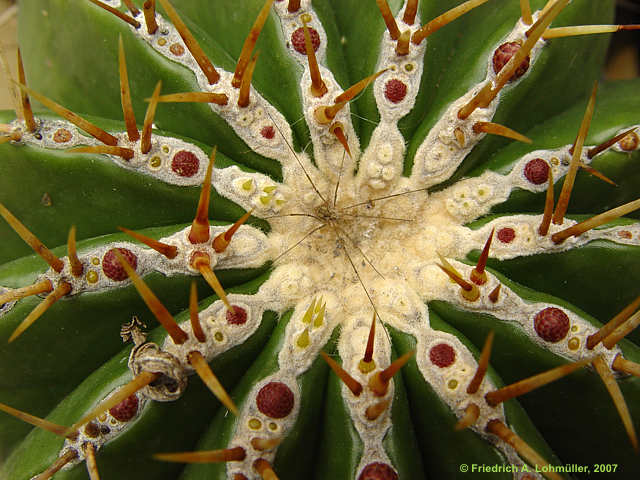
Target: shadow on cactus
405,223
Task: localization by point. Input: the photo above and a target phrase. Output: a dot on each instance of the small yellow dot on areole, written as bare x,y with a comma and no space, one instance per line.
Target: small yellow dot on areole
92,276
95,261
269,189
306,18
165,149
408,67
162,42
155,161
452,384
574,328
574,343
248,185
218,336
255,424
273,426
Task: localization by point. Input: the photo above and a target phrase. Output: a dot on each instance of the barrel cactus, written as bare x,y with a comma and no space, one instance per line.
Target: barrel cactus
390,272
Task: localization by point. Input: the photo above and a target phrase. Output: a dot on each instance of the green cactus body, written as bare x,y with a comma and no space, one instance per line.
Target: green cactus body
355,213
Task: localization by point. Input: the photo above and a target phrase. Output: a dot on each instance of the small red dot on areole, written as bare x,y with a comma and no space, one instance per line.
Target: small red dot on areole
177,49
185,163
236,317
62,135
126,409
275,400
268,132
395,90
297,40
112,267
551,324
378,471
503,54
442,355
506,235
536,171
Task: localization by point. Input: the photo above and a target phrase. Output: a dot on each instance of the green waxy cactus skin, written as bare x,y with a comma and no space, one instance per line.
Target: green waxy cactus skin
361,212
